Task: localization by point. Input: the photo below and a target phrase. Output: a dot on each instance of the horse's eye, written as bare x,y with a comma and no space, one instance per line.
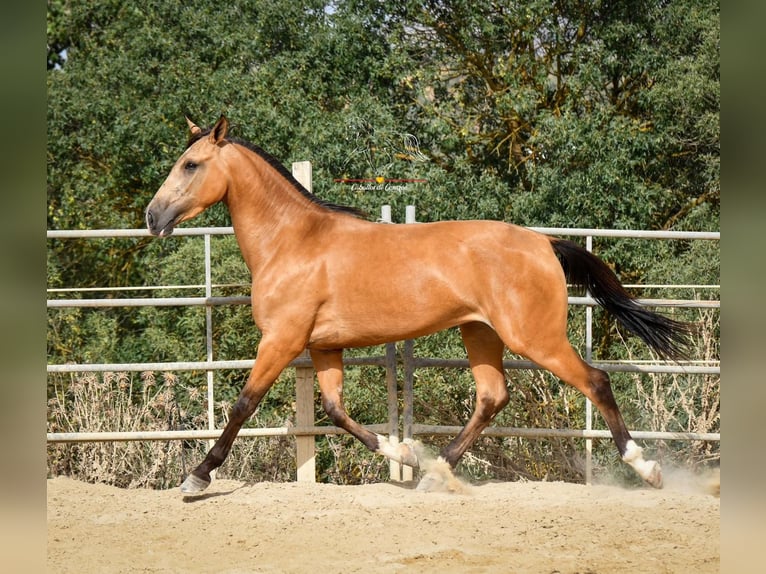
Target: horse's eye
190,166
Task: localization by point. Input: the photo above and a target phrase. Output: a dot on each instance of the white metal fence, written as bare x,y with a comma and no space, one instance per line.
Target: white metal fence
304,429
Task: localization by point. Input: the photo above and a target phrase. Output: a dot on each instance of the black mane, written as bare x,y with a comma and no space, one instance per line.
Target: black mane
273,162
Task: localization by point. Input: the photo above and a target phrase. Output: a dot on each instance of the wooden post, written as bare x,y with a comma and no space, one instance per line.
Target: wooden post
304,417
304,380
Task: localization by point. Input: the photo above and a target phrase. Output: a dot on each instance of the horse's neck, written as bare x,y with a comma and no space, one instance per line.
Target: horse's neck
266,210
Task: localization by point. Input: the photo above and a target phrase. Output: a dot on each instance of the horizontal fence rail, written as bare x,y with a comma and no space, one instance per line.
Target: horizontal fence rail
613,367
304,431
419,429
216,301
572,232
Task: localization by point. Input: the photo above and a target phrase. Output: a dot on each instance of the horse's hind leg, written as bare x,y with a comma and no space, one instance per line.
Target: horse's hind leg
485,356
594,384
329,369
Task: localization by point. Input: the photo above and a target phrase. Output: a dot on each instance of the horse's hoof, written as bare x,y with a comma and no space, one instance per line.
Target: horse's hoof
649,470
402,452
408,453
194,485
654,474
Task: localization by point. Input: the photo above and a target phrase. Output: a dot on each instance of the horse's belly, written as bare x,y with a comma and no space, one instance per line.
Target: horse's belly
375,327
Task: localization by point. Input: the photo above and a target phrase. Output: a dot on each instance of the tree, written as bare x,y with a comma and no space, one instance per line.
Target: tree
570,105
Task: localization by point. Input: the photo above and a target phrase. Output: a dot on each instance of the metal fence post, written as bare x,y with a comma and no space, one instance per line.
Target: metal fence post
395,469
210,374
588,359
409,374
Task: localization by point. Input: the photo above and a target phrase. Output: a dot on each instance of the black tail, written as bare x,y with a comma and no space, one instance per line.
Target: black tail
668,338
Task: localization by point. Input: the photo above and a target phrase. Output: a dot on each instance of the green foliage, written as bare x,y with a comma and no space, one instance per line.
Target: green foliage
562,114
570,105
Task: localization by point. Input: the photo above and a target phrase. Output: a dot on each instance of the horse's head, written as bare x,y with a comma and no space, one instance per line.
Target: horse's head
196,181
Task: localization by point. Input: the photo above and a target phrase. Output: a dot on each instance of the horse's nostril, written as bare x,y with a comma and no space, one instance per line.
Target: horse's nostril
149,219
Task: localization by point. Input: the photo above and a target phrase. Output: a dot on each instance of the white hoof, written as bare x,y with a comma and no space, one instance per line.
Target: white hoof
408,450
654,474
194,485
649,470
403,453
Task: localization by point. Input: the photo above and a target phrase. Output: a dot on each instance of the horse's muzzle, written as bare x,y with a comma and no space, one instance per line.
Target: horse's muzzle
150,221
157,226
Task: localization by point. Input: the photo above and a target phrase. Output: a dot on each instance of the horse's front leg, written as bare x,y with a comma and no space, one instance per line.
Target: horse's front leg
329,369
271,360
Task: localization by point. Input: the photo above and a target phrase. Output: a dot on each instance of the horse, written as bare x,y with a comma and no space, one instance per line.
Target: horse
324,278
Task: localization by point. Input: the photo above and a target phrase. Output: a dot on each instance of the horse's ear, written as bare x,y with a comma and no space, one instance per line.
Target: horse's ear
193,128
219,130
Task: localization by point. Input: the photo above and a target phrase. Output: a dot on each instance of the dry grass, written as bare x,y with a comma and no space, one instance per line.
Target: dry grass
112,402
685,403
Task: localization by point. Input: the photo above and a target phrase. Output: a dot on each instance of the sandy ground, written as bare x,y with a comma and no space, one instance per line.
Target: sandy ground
298,527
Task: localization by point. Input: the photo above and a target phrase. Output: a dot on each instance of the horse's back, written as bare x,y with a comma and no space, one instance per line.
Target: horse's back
421,239
465,251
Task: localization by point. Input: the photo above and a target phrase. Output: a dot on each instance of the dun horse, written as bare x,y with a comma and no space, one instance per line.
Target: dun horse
324,279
